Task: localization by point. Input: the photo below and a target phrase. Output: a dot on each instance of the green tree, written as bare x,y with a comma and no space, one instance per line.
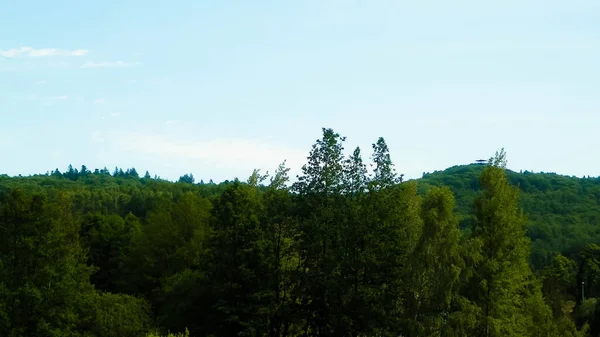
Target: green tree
318,190
117,315
323,173
256,178
187,178
280,179
435,268
237,265
43,276
558,279
355,174
503,286
167,243
107,238
384,174
281,244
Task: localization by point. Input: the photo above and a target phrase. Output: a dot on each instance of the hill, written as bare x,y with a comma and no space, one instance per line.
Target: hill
563,213
339,253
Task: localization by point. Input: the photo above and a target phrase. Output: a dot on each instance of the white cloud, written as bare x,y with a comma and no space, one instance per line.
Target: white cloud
32,52
236,154
115,114
115,64
99,101
61,98
41,82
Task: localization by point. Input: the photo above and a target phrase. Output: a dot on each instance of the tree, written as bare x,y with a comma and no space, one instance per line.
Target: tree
281,232
132,172
72,173
393,227
384,174
56,173
279,180
237,264
318,188
43,276
589,270
558,279
323,173
107,238
502,286
165,246
118,172
256,178
435,268
355,174
187,179
117,315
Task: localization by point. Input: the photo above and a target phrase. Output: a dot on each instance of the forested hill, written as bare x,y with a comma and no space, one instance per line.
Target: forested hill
563,213
338,252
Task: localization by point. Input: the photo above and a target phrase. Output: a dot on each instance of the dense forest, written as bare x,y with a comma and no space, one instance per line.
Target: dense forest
349,248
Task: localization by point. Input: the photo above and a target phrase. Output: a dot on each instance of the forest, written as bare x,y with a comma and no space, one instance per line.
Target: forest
347,248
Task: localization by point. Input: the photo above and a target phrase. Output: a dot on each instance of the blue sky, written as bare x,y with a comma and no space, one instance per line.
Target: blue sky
217,88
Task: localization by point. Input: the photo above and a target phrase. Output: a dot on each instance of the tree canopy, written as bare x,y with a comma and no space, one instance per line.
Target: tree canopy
475,250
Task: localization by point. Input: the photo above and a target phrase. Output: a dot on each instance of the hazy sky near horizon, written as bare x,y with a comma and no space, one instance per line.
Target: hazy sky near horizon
217,88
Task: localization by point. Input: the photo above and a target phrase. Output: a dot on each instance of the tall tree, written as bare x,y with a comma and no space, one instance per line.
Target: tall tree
435,268
44,281
355,174
384,174
281,177
318,189
237,264
502,286
256,178
282,251
323,173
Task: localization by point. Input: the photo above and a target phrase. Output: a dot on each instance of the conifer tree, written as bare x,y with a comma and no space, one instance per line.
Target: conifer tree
503,286
318,188
323,173
384,174
355,174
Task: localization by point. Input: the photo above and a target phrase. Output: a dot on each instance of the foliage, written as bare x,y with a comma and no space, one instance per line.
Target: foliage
181,334
340,252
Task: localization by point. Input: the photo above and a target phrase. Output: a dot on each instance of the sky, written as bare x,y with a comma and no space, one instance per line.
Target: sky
218,88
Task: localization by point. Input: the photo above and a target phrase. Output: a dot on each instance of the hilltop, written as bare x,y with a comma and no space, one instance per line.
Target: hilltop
563,212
